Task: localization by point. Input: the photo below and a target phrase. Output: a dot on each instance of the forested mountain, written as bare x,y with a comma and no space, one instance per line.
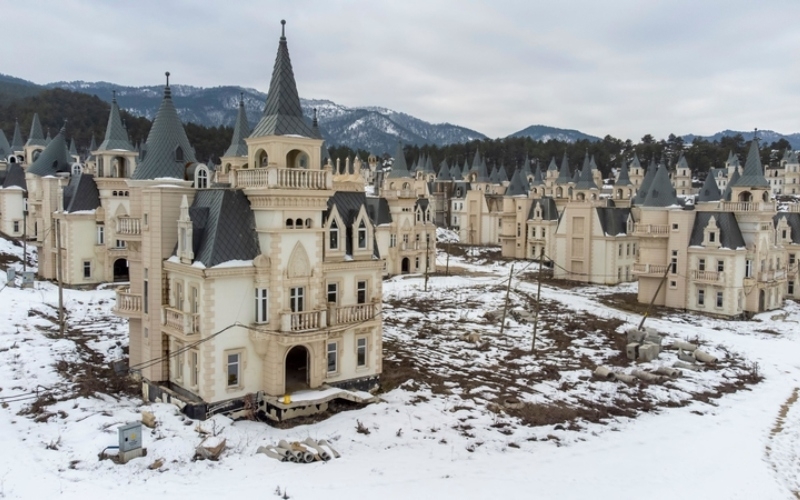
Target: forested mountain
544,133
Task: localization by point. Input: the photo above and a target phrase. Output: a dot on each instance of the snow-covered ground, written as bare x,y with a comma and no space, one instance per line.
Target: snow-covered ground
438,436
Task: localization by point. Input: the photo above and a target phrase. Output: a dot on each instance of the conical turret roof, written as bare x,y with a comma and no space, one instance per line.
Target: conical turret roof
54,158
241,130
586,179
726,195
623,178
660,193
399,165
455,173
167,150
635,163
526,166
116,137
563,172
465,169
538,180
73,150
36,137
682,163
282,112
519,184
502,174
553,166
641,193
710,190
444,172
5,147
753,174
17,142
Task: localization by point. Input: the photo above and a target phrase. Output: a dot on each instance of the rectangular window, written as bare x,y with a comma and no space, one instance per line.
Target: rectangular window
234,362
627,249
748,268
674,227
262,305
720,266
362,235
195,300
673,284
101,235
361,292
405,238
194,368
333,359
333,293
87,269
179,295
179,361
334,236
296,296
16,226
790,288
712,237
674,262
619,252
145,291
720,299
791,259
701,297
701,265
361,352
416,263
392,241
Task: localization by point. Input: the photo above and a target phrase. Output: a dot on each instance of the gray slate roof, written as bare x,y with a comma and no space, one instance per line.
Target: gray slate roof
282,112
730,236
613,220
660,193
223,227
538,180
399,166
623,178
563,172
463,186
552,165
753,174
17,142
444,172
36,137
73,150
586,179
116,136
548,208
55,157
649,174
159,155
726,195
455,173
793,218
14,176
479,166
682,163
5,147
635,163
81,194
378,211
348,204
710,190
519,184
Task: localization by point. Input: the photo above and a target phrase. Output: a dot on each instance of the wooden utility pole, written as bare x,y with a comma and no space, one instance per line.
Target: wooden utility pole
25,236
427,257
508,292
59,272
652,300
447,261
538,299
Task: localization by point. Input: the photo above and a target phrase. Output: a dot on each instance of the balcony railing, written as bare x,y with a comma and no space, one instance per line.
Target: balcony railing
793,207
746,206
129,226
303,321
284,178
128,303
651,229
353,314
649,269
183,322
711,276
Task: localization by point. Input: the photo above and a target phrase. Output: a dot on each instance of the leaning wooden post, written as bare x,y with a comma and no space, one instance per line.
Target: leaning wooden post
508,292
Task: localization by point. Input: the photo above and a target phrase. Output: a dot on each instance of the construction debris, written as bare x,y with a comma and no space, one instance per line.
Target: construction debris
300,452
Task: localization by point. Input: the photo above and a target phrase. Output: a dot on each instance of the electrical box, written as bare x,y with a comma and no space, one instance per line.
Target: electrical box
130,442
27,279
11,274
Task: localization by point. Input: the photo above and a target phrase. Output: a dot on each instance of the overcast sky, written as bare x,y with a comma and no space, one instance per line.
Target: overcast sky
619,67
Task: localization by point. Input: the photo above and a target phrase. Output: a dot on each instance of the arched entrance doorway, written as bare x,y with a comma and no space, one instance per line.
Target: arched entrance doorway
296,369
405,266
121,270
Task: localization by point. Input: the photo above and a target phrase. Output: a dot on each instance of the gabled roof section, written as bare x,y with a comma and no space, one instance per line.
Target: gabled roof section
793,219
461,187
53,159
613,220
5,147
116,137
81,194
730,236
548,208
623,178
710,190
167,150
378,211
223,227
660,193
753,174
36,137
17,142
444,172
282,112
518,185
348,204
399,166
563,172
15,177
241,130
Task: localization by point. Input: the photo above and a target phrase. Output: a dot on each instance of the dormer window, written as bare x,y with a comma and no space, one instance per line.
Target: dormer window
333,236
712,237
76,169
362,235
201,178
179,154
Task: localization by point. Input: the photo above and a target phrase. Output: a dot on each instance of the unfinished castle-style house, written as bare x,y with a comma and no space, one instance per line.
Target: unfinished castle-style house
256,287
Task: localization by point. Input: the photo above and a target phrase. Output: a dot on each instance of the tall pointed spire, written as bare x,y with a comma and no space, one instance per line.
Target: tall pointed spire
5,147
660,193
73,150
537,175
623,178
399,165
444,172
167,150
710,190
116,136
753,174
240,131
563,172
649,174
17,143
36,137
586,179
54,158
282,112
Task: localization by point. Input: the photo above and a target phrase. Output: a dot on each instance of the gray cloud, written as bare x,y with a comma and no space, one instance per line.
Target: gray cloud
624,68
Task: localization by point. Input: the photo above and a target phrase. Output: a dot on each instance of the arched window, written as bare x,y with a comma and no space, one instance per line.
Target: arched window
179,154
76,169
113,193
201,178
289,223
263,159
308,223
362,235
333,238
298,224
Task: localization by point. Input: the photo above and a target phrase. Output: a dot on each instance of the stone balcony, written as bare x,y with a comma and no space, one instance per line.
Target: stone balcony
179,322
772,275
128,304
353,314
304,321
283,178
707,276
746,206
129,228
652,230
394,194
649,269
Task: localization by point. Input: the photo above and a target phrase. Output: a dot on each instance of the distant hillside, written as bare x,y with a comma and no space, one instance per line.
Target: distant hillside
766,137
544,133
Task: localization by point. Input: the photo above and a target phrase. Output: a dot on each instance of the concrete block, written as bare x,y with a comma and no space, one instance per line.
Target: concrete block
632,351
648,352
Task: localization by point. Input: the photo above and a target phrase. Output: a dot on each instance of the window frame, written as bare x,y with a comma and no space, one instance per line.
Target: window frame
332,357
332,288
362,352
239,364
87,269
362,287
262,305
